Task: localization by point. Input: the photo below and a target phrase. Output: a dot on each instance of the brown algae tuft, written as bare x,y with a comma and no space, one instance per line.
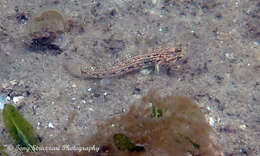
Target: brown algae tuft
47,29
161,126
48,25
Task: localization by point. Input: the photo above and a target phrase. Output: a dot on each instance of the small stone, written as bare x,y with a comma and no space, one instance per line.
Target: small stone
212,121
50,125
38,125
73,68
243,126
9,84
154,2
163,29
5,85
91,109
13,82
229,56
146,71
3,100
74,85
18,99
256,43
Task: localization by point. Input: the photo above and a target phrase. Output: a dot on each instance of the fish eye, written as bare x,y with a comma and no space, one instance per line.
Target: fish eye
178,50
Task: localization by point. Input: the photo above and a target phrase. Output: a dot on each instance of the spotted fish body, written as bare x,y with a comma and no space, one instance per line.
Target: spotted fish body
163,57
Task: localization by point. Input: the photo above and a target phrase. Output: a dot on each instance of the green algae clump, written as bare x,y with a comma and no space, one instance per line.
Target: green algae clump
19,129
122,142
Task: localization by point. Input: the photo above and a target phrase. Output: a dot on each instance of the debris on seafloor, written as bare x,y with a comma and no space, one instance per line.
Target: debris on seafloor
10,84
2,151
50,125
18,99
47,32
19,129
3,100
146,71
